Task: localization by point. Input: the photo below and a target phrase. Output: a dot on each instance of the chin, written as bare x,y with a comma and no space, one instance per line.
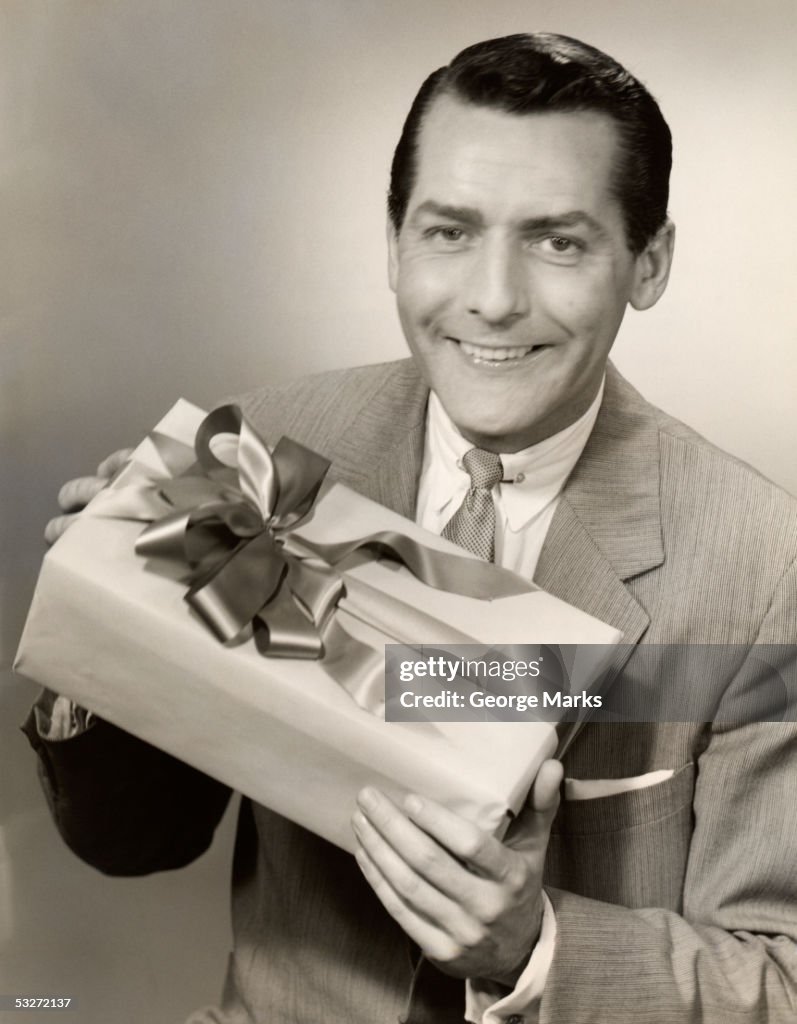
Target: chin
490,433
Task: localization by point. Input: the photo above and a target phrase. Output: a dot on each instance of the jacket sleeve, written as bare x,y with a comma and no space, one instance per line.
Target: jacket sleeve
119,803
731,955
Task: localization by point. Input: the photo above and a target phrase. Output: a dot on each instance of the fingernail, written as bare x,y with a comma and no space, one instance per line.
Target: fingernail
367,799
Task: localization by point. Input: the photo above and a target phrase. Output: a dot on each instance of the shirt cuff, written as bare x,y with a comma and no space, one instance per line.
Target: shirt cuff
522,1004
59,718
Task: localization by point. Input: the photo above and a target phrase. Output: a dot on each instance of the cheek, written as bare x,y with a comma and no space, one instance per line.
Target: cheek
584,308
424,290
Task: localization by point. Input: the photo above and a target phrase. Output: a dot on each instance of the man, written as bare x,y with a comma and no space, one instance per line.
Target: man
527,210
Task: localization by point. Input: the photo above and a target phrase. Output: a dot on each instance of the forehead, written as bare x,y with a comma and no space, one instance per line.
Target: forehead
472,154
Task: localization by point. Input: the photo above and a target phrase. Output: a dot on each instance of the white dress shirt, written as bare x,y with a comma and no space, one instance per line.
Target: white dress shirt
525,502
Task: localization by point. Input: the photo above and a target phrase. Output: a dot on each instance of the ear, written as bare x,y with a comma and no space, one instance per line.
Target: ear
652,270
392,255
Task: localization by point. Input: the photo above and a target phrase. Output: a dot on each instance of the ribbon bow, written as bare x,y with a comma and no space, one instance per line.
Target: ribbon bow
229,526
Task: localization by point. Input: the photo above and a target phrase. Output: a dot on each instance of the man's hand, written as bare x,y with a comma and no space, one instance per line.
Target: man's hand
77,493
472,903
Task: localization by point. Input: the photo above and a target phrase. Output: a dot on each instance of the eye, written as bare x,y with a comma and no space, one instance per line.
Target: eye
446,233
560,248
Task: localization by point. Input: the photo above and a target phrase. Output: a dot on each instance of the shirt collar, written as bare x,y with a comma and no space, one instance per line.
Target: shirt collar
534,476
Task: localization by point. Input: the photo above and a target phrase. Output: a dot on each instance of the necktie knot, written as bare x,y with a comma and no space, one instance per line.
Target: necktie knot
484,468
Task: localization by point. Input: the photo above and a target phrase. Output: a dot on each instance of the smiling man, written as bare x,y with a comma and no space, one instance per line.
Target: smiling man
512,266
528,209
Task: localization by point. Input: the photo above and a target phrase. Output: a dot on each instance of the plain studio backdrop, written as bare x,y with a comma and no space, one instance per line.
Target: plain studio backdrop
193,203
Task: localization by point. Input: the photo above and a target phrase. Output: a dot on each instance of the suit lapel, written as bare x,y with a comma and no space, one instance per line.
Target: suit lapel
574,569
607,525
397,476
400,410
380,451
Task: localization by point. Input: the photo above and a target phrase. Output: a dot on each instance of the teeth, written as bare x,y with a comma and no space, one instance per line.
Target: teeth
493,355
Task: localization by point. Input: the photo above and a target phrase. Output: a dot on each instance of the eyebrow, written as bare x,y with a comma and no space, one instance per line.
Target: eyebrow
463,214
472,217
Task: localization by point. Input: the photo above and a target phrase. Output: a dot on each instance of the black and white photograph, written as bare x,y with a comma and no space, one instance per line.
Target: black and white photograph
399,534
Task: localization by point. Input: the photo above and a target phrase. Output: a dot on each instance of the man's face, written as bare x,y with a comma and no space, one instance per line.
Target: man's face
511,269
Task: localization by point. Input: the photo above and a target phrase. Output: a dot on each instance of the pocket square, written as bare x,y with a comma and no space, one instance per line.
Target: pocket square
591,789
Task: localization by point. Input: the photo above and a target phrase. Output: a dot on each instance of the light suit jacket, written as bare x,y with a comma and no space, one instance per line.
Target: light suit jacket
674,903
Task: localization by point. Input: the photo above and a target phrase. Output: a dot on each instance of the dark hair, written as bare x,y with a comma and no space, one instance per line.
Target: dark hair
524,74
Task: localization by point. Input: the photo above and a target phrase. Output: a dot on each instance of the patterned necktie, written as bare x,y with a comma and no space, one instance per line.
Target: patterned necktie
473,524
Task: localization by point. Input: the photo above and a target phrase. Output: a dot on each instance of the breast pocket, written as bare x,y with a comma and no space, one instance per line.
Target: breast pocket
629,848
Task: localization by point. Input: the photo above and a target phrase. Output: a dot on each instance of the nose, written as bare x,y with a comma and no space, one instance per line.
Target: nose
497,288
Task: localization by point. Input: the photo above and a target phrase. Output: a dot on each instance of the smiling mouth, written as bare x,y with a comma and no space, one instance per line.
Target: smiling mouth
494,354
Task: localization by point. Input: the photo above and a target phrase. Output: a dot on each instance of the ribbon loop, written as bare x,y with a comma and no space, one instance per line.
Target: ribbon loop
300,471
284,631
226,419
257,473
229,596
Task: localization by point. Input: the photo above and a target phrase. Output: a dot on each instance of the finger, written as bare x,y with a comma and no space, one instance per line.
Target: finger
56,527
428,858
410,887
77,493
465,840
433,942
113,462
435,857
532,826
545,791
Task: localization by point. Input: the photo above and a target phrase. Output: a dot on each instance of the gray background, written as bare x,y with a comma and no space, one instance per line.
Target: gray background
192,203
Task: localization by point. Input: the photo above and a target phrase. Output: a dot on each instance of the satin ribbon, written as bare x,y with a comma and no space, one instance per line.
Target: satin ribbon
226,525
229,523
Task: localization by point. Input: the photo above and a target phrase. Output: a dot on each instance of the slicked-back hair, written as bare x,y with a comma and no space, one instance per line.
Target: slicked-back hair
545,73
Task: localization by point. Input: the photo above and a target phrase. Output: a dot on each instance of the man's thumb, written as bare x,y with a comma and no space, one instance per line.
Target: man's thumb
544,797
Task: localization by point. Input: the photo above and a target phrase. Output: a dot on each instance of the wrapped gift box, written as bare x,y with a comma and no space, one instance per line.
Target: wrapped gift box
119,639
